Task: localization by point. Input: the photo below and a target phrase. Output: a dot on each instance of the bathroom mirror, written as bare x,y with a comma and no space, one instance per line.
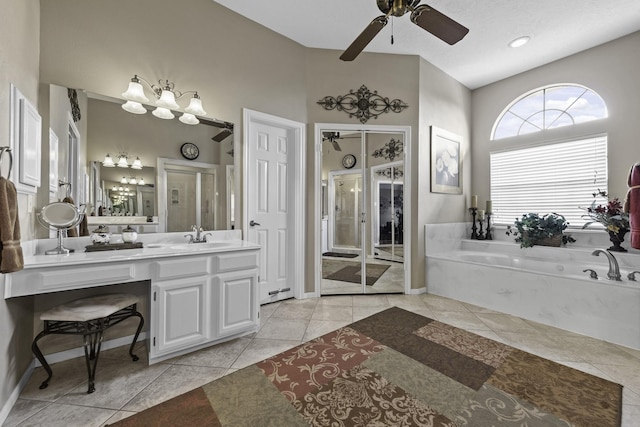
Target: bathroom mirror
111,130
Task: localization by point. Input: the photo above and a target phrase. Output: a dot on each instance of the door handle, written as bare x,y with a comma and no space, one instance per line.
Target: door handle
252,223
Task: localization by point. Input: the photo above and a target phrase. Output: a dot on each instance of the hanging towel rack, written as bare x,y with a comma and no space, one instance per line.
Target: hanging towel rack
7,150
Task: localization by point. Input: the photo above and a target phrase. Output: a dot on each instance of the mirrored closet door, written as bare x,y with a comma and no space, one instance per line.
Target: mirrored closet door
362,212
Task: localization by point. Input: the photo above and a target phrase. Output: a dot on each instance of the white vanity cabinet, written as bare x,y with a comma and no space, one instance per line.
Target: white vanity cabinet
200,294
200,300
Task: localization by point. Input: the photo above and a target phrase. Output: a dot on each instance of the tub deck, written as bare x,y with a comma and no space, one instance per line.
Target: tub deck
543,284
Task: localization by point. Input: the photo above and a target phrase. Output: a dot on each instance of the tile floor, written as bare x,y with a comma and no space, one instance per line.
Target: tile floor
124,388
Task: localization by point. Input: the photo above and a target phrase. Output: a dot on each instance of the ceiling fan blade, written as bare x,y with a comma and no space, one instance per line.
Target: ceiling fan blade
364,38
222,135
438,24
336,146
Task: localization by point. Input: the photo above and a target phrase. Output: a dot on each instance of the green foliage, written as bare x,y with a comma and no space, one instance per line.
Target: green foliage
533,228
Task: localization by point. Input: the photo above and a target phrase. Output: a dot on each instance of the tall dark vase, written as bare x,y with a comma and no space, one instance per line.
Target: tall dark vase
617,239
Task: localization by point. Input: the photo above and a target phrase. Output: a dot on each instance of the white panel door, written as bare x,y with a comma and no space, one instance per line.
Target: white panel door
268,208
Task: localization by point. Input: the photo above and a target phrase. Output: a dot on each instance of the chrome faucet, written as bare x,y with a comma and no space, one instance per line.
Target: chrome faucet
197,238
614,269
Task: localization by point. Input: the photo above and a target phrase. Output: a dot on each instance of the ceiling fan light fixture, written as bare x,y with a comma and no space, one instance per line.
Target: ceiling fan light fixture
520,41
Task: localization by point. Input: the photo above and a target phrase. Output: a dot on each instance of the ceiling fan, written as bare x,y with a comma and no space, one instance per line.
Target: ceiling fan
226,128
333,138
424,16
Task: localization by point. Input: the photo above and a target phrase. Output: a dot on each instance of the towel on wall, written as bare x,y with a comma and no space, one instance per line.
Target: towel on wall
84,226
632,204
73,231
10,251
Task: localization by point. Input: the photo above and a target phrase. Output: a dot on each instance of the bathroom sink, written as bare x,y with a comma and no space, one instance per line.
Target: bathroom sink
201,246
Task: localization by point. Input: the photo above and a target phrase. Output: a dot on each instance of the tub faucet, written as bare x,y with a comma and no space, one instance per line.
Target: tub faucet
614,269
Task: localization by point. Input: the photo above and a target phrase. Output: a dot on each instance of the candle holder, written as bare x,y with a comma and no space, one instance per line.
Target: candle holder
481,233
474,228
489,236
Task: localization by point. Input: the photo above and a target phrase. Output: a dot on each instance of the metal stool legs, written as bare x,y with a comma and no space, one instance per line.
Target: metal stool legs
92,332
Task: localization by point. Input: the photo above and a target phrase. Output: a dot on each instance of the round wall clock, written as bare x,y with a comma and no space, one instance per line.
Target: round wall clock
349,161
189,151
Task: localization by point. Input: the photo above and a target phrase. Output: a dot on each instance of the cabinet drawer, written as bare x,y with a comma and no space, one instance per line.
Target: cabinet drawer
232,261
183,267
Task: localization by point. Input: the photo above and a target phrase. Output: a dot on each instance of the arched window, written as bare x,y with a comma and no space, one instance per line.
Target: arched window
536,169
547,108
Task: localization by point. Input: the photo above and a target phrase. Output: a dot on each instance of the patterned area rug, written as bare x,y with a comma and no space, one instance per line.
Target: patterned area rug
396,368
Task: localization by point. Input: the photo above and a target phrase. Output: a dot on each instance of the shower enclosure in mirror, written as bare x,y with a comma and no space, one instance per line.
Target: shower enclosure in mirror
362,213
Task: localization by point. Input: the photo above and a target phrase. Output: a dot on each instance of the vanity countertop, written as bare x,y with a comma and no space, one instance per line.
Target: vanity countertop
167,251
148,251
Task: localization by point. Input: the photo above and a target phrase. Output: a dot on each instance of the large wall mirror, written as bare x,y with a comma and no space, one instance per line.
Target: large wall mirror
126,191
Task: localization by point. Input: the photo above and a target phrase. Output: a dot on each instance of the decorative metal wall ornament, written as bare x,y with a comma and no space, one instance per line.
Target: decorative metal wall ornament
397,173
75,107
390,150
363,104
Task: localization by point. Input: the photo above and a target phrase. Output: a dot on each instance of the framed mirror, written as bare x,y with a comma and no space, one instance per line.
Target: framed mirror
111,130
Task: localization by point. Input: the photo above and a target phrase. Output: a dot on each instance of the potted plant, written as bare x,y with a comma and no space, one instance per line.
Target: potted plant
535,229
611,216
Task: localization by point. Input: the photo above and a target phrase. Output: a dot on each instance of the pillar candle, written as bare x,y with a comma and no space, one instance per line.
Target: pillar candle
489,207
481,215
474,201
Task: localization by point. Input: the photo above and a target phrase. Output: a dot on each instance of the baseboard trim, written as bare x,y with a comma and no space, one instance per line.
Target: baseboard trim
13,398
79,351
418,291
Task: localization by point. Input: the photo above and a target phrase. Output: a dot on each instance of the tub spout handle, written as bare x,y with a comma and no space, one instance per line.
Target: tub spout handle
592,273
632,276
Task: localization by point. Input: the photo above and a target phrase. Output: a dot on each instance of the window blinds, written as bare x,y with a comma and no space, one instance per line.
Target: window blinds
556,177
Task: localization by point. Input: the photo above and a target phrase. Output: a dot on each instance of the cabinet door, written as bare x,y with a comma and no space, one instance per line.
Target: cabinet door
237,301
182,308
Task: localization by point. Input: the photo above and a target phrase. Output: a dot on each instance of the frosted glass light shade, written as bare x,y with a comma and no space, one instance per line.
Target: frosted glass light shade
122,162
124,180
167,100
195,107
141,181
135,92
133,180
134,107
189,119
108,162
137,164
163,113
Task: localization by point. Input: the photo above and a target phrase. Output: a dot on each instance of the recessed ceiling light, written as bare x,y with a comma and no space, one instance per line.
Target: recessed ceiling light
520,41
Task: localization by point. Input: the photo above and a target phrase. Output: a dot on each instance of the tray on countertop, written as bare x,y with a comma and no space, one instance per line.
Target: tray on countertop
113,246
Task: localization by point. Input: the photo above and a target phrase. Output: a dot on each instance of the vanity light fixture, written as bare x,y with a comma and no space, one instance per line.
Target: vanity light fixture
166,97
121,162
124,180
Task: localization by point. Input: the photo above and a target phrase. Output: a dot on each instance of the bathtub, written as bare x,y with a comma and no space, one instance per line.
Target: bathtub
543,284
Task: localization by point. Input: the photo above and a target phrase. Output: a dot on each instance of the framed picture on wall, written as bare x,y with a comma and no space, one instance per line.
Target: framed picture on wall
446,162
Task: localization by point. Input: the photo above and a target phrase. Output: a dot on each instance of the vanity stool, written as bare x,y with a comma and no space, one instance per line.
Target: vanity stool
88,317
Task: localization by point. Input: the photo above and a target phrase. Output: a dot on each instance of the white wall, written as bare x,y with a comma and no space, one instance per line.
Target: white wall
610,69
19,64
